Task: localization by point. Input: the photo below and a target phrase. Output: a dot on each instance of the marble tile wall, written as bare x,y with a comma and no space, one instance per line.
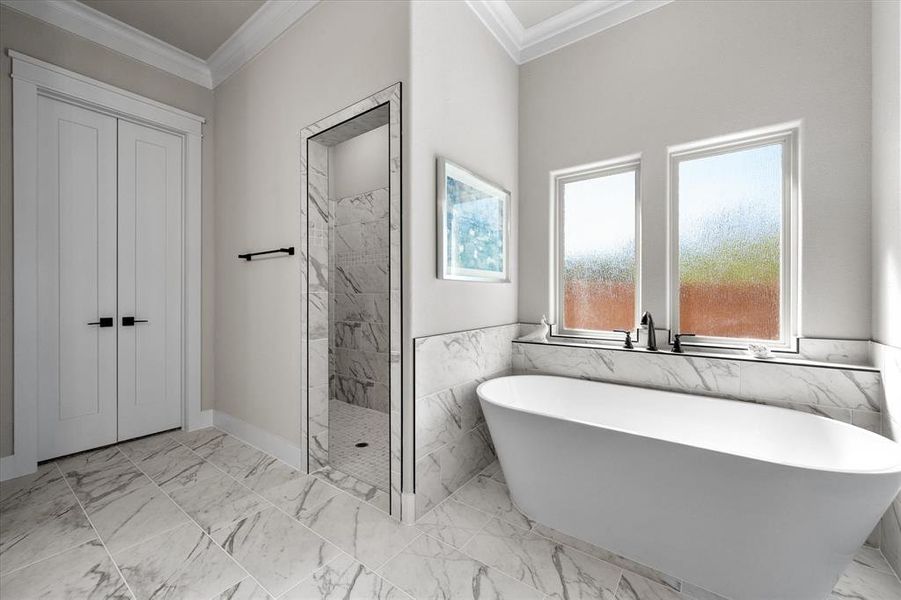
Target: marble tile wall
359,322
888,359
317,355
850,352
452,440
852,394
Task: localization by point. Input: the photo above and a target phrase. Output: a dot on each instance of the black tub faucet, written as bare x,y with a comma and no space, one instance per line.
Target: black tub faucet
648,321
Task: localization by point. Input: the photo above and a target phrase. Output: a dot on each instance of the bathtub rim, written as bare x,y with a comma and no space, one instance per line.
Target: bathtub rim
480,392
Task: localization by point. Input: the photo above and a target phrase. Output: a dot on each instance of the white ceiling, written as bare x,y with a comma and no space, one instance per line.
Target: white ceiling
533,12
198,28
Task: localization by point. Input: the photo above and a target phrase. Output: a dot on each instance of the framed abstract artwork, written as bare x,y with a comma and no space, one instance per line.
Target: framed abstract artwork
473,226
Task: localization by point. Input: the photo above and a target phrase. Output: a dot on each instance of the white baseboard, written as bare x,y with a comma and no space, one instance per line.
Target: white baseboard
10,468
270,443
203,420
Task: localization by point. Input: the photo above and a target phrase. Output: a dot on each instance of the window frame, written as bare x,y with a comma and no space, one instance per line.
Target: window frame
559,179
788,136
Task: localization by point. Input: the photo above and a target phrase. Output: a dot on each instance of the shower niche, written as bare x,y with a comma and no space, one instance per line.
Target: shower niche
351,371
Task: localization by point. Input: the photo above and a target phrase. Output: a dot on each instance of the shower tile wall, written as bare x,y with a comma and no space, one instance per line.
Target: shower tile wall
452,439
316,352
358,264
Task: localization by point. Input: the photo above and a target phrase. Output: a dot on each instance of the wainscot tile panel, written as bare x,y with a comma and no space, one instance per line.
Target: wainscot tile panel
851,395
888,359
717,377
452,441
849,352
443,361
842,388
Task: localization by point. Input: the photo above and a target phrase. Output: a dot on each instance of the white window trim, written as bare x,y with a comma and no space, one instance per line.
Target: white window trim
558,180
33,78
788,135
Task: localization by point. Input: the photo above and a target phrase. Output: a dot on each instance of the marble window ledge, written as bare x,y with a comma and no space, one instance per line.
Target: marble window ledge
775,359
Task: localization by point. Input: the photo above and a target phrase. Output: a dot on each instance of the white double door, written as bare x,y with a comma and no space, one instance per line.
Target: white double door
109,279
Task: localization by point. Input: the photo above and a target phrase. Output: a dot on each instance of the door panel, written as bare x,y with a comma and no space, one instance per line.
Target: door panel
150,242
76,278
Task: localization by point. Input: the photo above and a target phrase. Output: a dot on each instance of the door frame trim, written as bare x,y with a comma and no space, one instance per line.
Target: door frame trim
33,78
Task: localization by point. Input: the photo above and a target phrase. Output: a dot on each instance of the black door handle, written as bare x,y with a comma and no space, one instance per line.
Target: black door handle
103,322
130,321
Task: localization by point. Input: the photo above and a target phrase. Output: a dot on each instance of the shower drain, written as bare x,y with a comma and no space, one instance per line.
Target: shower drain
361,444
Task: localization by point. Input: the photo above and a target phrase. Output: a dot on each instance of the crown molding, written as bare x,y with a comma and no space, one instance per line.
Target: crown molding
502,23
102,29
262,28
577,23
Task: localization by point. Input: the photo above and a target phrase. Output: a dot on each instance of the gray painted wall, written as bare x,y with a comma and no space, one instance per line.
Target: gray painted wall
310,72
886,178
464,103
693,70
359,165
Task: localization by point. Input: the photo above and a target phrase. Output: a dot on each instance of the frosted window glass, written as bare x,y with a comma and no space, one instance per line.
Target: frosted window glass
730,221
599,253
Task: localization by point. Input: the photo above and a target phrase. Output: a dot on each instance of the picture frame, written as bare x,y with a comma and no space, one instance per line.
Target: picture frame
473,226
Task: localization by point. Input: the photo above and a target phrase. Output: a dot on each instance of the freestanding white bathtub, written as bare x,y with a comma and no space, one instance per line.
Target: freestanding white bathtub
749,501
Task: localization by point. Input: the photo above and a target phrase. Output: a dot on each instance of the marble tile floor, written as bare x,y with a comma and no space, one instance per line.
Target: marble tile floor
202,516
349,425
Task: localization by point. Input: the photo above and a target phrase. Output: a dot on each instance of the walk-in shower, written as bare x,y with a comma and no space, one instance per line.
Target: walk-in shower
351,298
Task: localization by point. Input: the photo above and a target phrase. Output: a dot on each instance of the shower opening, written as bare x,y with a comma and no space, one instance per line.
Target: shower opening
352,301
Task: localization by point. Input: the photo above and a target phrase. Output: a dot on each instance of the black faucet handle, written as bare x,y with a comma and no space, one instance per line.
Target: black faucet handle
677,341
628,343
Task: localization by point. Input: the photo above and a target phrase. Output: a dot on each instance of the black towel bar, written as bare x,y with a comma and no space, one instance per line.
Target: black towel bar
289,251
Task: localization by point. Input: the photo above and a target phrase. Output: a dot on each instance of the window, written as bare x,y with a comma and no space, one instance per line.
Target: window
732,239
597,249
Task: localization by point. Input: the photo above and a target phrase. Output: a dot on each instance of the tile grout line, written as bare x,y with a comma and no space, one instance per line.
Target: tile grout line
340,491
310,474
487,566
556,542
97,533
379,572
55,554
891,570
194,522
493,516
355,499
496,516
278,508
464,484
420,532
466,553
310,576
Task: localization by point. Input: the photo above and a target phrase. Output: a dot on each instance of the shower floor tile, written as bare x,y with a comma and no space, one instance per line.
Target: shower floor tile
350,425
